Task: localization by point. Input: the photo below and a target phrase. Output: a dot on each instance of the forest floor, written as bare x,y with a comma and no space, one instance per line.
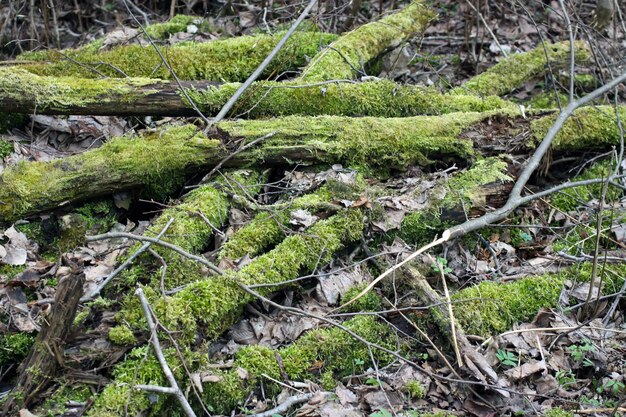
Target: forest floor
561,357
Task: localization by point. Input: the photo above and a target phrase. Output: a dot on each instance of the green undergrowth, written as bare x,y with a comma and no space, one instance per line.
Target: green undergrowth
142,367
208,306
514,71
490,307
227,60
337,352
14,347
347,55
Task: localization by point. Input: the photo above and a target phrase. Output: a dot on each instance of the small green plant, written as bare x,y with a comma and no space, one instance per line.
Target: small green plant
414,389
507,358
565,378
579,352
441,265
381,413
612,386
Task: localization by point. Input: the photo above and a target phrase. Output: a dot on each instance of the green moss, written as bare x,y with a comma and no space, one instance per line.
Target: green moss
141,367
154,160
122,335
65,91
225,60
215,304
98,216
269,227
461,189
369,302
558,412
176,24
348,54
366,143
338,353
381,98
10,271
547,100
490,307
158,160
414,389
512,72
6,148
588,128
14,347
56,404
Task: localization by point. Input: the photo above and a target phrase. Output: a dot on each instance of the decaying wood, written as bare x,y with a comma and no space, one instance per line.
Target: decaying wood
47,354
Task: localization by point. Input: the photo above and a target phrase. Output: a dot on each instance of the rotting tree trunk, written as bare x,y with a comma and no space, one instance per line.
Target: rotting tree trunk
344,58
23,92
160,159
47,354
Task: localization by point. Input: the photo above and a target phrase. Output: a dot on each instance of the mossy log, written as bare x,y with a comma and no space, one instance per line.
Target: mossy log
227,60
514,71
24,92
345,58
159,160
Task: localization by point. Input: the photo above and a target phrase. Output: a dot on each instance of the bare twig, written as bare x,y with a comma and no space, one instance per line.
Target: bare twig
286,405
125,264
243,87
173,389
180,251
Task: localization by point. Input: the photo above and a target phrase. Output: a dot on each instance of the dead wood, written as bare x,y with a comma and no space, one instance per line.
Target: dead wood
38,370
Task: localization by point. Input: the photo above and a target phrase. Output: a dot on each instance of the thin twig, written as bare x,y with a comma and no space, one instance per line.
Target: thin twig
174,388
180,251
252,78
125,264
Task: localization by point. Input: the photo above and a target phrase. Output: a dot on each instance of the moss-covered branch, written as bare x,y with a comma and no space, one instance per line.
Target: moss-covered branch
345,58
340,355
160,159
514,71
231,59
210,306
24,92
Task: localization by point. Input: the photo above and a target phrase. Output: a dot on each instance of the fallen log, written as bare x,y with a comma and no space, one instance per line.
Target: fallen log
159,160
24,92
231,59
345,58
514,71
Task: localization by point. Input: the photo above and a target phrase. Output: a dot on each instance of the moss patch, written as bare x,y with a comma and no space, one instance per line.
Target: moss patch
338,353
381,98
512,72
347,55
226,60
588,128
